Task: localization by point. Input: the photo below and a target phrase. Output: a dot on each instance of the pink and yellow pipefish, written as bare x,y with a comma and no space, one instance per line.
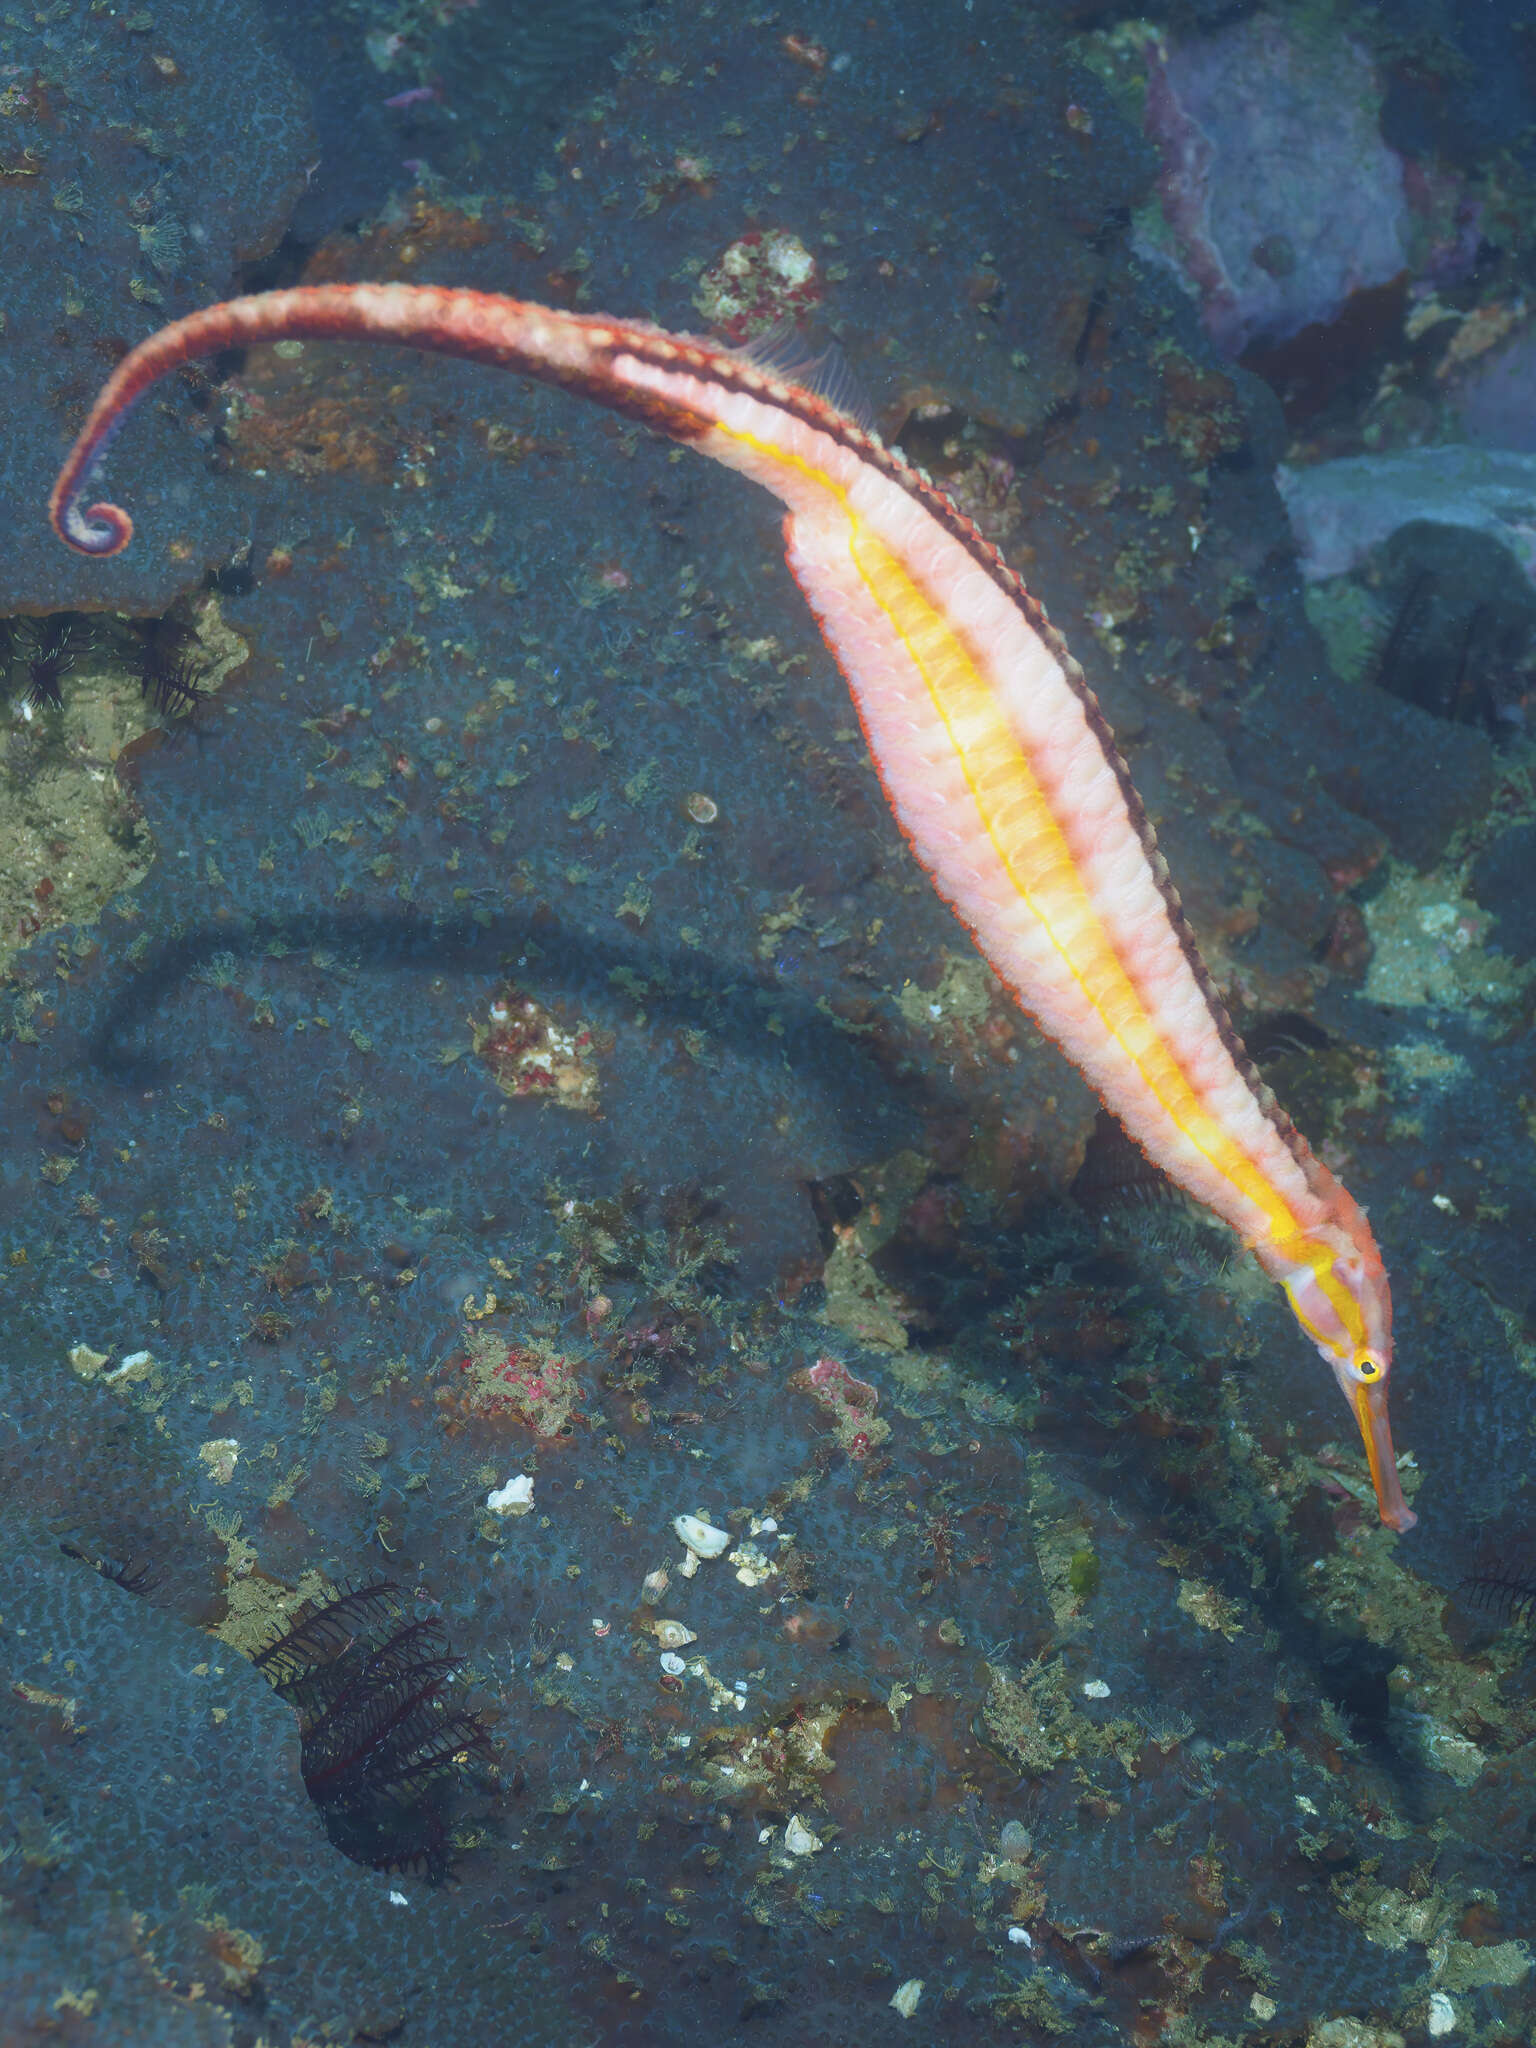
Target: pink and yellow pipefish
993,752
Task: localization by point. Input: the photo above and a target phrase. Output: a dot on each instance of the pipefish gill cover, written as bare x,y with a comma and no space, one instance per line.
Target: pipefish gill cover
596,1425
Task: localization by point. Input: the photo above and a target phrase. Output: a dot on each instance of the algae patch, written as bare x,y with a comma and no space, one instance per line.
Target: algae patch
1428,948
72,835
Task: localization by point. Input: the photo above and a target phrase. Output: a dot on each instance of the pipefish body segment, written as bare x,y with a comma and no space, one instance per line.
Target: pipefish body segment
992,750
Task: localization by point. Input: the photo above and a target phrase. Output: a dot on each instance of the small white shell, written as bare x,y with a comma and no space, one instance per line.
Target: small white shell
654,1584
700,1537
906,1997
798,1839
672,1635
672,1664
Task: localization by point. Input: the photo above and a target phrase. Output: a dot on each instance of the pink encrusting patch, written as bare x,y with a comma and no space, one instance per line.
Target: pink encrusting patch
993,752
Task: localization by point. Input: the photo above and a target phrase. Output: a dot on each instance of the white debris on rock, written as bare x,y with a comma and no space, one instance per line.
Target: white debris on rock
798,1838
515,1498
701,1537
905,1997
134,1365
672,1635
752,1566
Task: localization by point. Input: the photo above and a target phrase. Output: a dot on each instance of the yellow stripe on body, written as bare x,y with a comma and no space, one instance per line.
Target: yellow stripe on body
1033,852
1320,1262
1032,849
1017,818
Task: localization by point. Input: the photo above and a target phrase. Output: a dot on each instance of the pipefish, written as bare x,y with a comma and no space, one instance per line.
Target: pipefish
996,759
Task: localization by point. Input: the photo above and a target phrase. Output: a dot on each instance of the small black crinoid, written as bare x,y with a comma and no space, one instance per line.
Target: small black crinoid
44,651
171,664
383,1735
1505,1589
134,1572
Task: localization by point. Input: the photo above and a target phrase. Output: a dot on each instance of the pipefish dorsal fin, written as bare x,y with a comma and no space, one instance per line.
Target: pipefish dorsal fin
782,351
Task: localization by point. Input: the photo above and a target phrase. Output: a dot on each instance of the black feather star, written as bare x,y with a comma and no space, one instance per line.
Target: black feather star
45,649
170,668
1505,1590
382,1733
134,1573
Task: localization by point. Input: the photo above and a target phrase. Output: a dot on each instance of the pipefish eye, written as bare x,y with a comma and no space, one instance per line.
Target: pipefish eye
1368,1366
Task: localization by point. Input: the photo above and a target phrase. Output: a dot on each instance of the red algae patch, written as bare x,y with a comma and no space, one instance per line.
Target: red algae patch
526,1382
850,1403
530,1052
766,280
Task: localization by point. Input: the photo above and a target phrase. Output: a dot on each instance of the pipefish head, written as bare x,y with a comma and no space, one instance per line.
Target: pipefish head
1338,1290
